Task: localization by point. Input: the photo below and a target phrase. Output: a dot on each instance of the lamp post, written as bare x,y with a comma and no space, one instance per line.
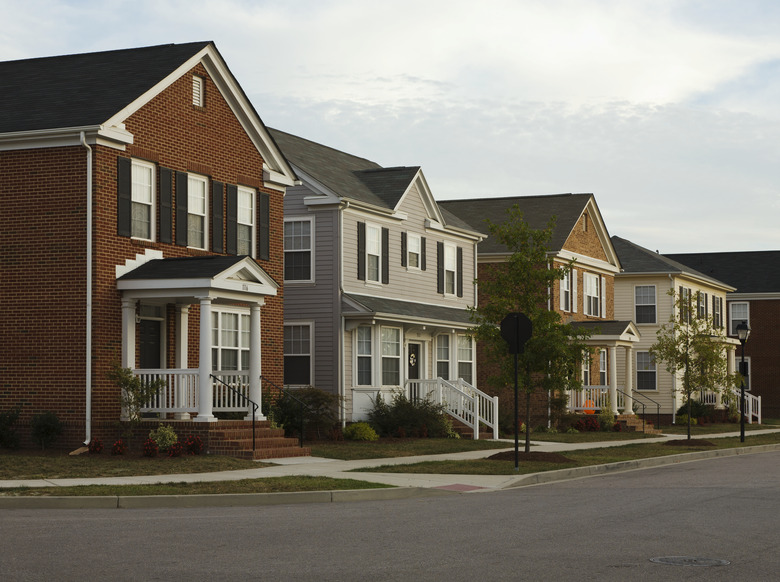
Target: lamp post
743,333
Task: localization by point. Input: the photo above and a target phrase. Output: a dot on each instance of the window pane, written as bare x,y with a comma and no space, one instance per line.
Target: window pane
391,345
244,246
229,359
297,235
246,207
297,370
142,220
230,330
195,236
391,371
364,371
364,340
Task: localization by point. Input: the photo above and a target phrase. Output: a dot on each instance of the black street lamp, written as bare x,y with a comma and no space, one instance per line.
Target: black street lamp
743,333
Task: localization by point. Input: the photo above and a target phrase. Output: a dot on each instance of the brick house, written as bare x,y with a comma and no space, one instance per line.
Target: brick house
585,298
142,224
756,301
377,281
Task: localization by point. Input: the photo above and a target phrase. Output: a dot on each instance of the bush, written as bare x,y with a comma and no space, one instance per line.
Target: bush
682,420
317,408
698,409
46,427
176,449
119,447
587,424
134,393
164,436
95,446
193,445
150,448
8,437
606,419
404,417
360,431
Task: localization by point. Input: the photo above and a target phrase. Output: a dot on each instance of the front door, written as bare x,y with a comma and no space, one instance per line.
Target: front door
150,347
413,370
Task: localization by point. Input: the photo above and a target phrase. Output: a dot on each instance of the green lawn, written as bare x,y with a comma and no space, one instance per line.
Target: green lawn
386,448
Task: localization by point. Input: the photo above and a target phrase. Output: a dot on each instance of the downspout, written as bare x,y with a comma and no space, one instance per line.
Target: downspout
88,363
342,373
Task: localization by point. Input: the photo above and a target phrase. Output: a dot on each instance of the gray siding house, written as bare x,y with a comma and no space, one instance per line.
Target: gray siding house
378,280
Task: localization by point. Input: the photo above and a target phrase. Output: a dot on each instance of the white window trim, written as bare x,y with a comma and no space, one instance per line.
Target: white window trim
152,204
357,356
205,214
451,251
310,325
731,304
587,307
198,91
603,367
565,299
449,355
654,370
586,361
472,349
654,304
218,313
382,357
312,246
370,227
409,238
253,217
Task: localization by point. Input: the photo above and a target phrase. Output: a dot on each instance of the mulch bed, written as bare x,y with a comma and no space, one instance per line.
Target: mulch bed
536,456
688,443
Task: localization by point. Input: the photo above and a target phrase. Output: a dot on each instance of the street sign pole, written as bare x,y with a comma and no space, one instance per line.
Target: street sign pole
516,329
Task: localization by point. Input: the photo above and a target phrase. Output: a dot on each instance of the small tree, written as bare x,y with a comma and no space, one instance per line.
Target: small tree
521,285
691,344
135,393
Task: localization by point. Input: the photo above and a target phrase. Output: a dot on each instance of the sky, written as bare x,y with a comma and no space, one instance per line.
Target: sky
666,110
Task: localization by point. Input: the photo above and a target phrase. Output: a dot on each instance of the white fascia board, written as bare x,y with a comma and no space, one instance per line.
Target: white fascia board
111,136
360,207
456,232
196,287
601,231
596,264
429,203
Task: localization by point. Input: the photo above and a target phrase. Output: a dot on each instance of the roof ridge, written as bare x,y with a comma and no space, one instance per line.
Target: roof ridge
321,145
130,49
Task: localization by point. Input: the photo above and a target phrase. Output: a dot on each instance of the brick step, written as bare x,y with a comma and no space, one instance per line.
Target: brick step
264,453
259,443
634,424
246,433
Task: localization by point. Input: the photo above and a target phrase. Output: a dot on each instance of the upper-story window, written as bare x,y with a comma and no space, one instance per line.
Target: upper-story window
644,303
373,253
298,250
245,223
414,251
592,294
450,269
449,263
685,304
565,292
739,312
198,91
702,305
717,312
143,200
197,211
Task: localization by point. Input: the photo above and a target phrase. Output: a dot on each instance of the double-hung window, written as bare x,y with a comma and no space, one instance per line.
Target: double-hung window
230,340
245,223
443,356
586,369
645,371
644,303
450,269
364,355
142,200
739,312
197,212
466,358
717,312
391,356
702,308
414,251
298,250
592,295
565,290
602,367
297,354
373,253
685,304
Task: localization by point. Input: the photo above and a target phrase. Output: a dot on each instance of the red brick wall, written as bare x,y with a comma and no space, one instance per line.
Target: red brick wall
42,251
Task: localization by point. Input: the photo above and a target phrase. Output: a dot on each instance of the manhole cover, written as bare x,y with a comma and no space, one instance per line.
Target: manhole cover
689,561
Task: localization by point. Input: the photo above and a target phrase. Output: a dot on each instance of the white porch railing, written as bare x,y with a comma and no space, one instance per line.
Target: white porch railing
461,400
752,402
181,392
593,398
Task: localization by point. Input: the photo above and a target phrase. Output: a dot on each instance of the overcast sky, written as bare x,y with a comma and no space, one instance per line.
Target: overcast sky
666,110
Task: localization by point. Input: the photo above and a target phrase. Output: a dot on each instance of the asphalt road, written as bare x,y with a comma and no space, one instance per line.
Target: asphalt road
599,528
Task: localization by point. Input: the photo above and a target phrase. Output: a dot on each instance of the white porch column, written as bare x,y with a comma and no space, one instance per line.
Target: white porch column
629,399
613,379
731,367
128,333
205,389
182,348
255,361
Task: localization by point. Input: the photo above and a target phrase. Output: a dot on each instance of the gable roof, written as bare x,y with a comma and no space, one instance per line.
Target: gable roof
639,260
83,89
748,271
357,306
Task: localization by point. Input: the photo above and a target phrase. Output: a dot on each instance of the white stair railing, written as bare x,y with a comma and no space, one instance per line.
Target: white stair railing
460,399
181,392
593,399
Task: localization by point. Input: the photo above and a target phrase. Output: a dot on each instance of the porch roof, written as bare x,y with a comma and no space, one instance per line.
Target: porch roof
360,306
609,330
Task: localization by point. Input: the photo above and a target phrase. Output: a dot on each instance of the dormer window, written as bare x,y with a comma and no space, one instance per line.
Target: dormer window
198,91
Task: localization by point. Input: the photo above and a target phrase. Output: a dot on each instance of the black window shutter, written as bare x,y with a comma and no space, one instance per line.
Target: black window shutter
231,229
124,204
460,272
440,267
403,249
264,227
166,205
361,266
181,209
422,253
385,256
217,216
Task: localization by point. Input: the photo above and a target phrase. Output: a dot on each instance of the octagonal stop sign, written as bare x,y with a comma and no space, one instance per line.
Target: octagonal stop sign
516,329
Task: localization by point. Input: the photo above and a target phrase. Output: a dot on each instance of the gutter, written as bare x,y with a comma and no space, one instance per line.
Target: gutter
88,362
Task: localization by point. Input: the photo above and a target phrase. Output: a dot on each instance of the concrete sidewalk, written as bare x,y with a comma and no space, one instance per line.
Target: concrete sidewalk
414,484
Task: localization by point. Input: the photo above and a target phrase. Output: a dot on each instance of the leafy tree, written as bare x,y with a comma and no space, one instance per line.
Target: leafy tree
691,344
521,285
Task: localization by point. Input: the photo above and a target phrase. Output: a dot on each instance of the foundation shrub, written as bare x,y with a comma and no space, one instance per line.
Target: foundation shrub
318,409
411,418
9,438
360,431
164,436
46,427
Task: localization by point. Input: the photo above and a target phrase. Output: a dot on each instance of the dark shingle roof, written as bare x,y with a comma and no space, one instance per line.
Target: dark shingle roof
183,268
637,259
84,89
536,210
419,311
606,327
748,271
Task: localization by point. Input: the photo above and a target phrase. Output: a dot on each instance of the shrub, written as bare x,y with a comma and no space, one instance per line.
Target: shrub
413,418
165,436
134,392
682,419
119,447
587,424
95,446
8,437
176,449
318,409
46,427
360,431
606,418
193,445
150,448
698,409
